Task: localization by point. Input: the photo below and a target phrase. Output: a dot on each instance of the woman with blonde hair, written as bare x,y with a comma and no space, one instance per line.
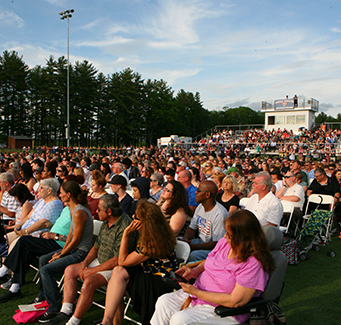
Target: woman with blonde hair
140,272
79,171
228,198
217,177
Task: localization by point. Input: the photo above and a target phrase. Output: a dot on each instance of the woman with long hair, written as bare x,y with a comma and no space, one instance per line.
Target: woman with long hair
26,175
97,185
174,206
26,199
195,176
228,198
236,270
140,272
78,243
105,169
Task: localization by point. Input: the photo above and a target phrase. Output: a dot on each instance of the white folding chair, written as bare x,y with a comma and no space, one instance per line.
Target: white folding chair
287,208
182,251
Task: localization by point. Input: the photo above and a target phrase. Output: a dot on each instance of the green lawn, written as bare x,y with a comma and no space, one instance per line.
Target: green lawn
312,292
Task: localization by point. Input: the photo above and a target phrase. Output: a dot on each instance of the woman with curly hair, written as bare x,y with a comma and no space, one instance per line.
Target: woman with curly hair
236,270
97,185
140,272
174,206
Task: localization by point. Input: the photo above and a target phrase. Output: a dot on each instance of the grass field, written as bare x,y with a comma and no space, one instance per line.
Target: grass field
312,292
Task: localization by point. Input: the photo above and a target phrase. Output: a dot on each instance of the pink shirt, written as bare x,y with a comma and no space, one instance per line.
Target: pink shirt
221,275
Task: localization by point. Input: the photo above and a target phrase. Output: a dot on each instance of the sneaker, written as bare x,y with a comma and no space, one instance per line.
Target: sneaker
10,296
47,317
4,279
36,300
60,319
7,284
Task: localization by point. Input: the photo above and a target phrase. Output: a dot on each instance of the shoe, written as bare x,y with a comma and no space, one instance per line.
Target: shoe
10,296
60,319
7,284
36,300
4,279
47,317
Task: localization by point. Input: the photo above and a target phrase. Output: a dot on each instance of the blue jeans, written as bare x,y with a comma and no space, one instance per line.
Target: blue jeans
48,288
197,255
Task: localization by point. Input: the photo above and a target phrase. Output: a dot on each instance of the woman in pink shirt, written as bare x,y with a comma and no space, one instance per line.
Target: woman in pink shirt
236,270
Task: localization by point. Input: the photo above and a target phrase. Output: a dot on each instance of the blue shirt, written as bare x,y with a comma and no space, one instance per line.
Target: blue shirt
191,195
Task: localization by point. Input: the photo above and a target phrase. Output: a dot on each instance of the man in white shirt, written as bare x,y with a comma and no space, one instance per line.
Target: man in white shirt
265,205
294,193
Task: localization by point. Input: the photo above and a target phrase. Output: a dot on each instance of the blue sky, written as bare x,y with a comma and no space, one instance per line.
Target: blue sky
232,52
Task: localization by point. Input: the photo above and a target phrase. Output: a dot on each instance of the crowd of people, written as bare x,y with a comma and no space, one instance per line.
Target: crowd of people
146,198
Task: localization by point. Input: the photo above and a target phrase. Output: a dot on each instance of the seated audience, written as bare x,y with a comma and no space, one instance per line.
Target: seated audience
236,270
26,249
140,272
96,269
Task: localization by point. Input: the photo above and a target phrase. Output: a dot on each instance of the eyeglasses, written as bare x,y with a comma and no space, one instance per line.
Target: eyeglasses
288,176
198,190
167,190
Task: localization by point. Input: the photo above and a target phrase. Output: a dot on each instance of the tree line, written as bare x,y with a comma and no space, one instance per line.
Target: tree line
112,110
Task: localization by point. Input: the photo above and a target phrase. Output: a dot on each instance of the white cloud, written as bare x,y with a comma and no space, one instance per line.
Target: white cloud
10,18
116,40
336,30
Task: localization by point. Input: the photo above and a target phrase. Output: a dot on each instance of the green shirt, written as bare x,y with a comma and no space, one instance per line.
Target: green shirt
109,239
62,225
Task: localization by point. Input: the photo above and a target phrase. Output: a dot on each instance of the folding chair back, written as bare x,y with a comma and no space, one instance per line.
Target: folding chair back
287,208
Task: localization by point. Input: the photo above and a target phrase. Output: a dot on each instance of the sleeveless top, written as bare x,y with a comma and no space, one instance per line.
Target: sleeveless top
85,243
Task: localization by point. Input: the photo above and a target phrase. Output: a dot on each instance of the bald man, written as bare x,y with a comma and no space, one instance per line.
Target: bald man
185,178
208,220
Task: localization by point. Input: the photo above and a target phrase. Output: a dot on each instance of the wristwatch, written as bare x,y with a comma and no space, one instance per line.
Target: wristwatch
57,237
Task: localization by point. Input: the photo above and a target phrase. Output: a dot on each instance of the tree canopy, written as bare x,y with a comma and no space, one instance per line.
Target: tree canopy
117,109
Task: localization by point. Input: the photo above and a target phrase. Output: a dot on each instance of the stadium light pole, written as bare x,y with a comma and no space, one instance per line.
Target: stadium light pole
67,14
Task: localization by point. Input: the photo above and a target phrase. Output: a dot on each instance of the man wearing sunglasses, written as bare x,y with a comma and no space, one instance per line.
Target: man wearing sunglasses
294,193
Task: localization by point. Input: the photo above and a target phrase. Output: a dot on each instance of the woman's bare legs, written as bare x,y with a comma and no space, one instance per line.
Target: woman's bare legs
116,289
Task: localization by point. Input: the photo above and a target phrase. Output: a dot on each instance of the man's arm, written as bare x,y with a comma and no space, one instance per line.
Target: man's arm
5,211
281,191
204,246
189,234
291,198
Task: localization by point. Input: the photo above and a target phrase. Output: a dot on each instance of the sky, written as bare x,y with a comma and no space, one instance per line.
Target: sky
234,53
